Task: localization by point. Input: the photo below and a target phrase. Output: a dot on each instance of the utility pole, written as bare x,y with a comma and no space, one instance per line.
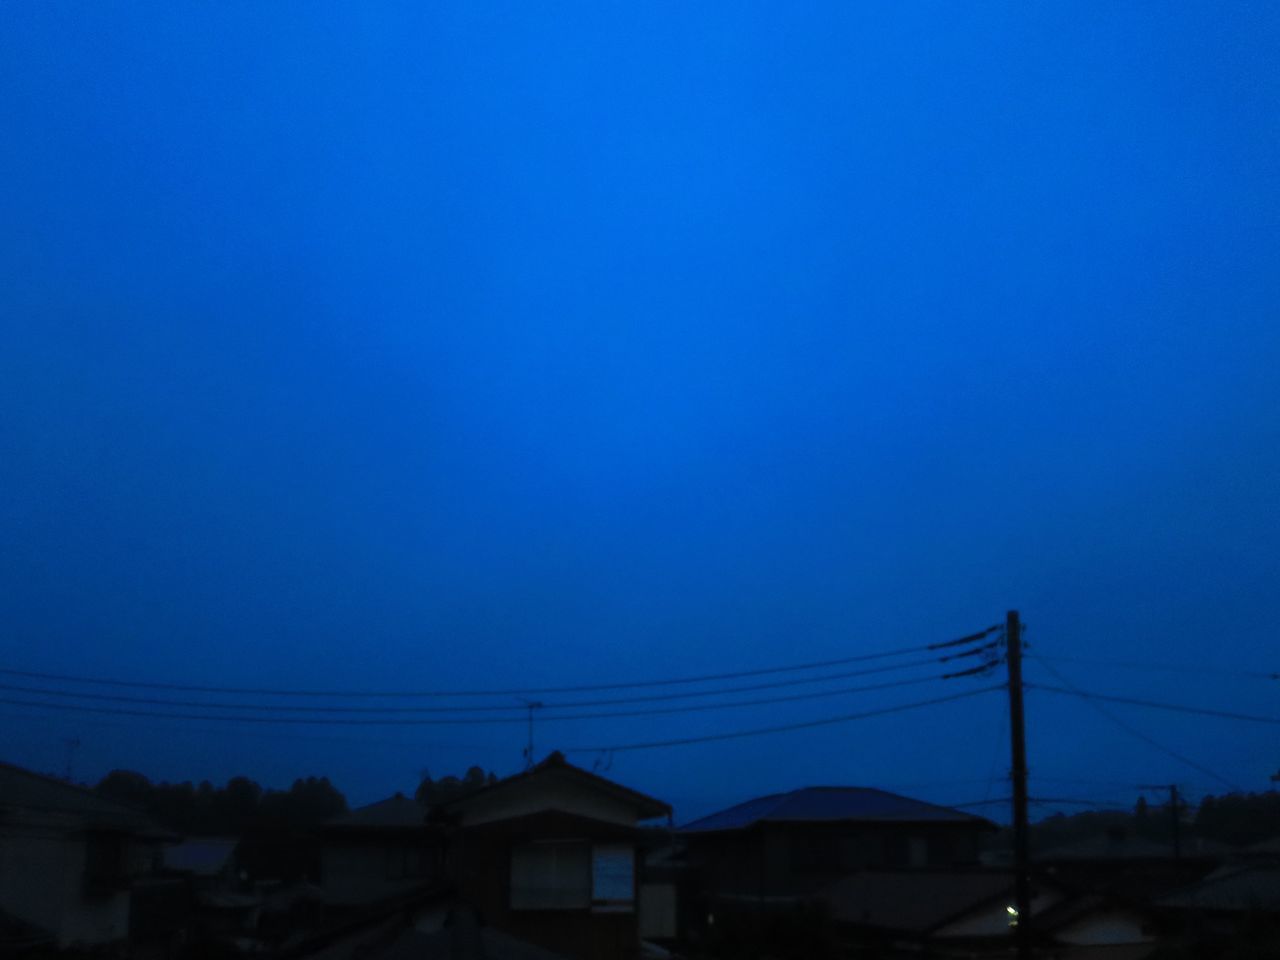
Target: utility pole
1018,748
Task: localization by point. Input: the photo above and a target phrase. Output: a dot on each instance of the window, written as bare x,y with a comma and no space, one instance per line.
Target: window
104,862
613,875
551,875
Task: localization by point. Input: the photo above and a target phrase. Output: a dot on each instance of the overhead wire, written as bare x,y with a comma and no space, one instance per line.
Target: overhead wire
514,718
994,801
1094,701
489,708
1155,665
781,728
1159,705
513,691
1078,802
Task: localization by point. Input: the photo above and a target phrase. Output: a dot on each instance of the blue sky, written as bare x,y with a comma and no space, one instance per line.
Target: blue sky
455,345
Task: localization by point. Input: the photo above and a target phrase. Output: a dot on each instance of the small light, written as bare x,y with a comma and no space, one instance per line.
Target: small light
1013,911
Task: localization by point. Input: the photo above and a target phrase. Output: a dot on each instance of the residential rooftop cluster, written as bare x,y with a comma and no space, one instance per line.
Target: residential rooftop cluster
561,863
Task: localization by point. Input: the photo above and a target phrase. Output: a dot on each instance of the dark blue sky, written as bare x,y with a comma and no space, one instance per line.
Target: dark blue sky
498,344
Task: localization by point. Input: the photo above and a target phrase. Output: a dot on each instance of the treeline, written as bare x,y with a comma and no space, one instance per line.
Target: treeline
274,827
1237,819
431,792
232,810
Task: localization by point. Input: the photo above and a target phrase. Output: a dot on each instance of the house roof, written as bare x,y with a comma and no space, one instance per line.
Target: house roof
915,901
19,935
1103,846
1252,887
201,856
24,794
830,804
436,929
394,813
647,807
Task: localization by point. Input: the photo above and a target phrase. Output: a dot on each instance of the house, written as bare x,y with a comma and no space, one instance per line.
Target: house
69,859
1233,902
970,913
551,857
378,852
207,862
418,930
784,847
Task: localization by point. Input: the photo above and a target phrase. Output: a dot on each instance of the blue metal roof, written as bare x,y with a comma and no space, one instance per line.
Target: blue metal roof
815,804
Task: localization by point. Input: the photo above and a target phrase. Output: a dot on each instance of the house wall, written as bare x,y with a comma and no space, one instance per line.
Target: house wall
42,881
657,913
483,863
366,869
550,791
787,860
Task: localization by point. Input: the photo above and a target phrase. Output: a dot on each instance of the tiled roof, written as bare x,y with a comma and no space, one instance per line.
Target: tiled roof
647,808
25,795
397,812
911,902
19,935
816,804
202,856
1254,887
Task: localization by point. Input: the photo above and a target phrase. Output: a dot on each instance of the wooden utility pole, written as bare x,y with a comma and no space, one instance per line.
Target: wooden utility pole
1018,748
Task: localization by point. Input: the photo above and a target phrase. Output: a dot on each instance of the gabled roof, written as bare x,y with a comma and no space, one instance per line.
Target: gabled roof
1242,889
394,813
201,856
647,808
830,804
912,901
20,936
24,795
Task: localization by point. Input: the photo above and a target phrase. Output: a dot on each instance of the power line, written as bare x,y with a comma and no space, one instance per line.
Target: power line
737,734
1117,784
1077,802
514,718
575,688
1153,665
980,803
488,708
1159,705
1092,700
995,759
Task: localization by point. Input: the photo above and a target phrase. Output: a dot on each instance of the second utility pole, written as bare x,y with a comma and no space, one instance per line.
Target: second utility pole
1018,745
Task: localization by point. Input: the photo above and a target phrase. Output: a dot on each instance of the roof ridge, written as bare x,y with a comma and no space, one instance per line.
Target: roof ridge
75,788
556,761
